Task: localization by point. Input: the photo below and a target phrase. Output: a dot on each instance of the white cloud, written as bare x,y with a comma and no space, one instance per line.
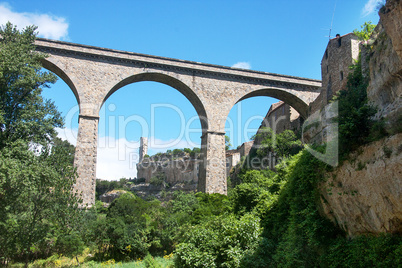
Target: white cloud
67,134
49,26
116,158
242,65
371,6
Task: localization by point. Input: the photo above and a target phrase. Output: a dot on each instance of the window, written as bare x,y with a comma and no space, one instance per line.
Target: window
341,75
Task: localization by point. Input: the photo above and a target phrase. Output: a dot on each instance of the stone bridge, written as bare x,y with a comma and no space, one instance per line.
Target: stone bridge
95,73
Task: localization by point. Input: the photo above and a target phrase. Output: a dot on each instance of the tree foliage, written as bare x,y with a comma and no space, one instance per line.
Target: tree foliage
282,145
366,31
355,113
38,210
227,143
24,113
219,242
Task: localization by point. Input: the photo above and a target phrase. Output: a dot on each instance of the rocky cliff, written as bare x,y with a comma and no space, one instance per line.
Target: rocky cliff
364,194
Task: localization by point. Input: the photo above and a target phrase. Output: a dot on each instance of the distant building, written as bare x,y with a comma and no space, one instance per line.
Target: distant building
280,117
233,157
181,168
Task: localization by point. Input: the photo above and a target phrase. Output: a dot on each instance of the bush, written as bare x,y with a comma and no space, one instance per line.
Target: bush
221,241
196,151
150,262
177,151
139,180
258,190
157,180
365,251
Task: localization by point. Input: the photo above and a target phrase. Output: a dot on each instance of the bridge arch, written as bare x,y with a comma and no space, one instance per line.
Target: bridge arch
298,104
170,81
49,65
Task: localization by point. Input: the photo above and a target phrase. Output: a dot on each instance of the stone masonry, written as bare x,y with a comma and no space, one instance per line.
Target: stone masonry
341,52
280,117
94,74
143,148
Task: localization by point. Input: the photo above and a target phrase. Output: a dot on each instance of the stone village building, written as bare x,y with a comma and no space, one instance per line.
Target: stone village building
181,168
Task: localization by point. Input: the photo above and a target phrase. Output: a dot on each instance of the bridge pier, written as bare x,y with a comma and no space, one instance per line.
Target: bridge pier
85,157
212,178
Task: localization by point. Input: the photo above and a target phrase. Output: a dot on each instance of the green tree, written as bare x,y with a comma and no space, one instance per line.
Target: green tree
133,227
195,152
220,241
227,143
37,206
366,30
283,144
287,144
24,113
177,151
256,192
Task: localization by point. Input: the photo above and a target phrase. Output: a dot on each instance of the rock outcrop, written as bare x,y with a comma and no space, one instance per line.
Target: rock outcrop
161,192
111,195
385,88
364,195
390,16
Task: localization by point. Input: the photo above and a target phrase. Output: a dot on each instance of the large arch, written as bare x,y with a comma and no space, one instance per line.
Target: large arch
298,104
170,81
47,64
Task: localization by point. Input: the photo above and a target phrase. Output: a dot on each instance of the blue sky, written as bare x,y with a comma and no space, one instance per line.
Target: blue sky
285,37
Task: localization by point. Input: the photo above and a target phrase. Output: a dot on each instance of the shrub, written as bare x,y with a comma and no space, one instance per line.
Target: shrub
157,180
355,114
177,151
221,241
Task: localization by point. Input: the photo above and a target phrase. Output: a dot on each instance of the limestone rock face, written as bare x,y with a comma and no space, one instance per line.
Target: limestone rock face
365,195
111,195
385,88
390,16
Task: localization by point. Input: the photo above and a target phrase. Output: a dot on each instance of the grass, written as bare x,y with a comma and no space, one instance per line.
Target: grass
61,261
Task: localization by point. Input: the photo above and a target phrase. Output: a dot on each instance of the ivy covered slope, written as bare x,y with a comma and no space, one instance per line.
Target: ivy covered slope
37,209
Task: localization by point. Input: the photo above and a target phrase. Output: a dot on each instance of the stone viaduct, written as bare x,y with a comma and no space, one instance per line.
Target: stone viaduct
94,74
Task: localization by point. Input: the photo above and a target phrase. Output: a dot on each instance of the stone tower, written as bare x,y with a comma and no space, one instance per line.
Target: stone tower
143,147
